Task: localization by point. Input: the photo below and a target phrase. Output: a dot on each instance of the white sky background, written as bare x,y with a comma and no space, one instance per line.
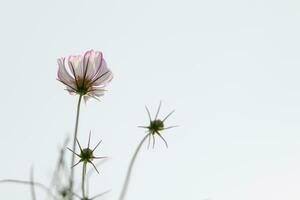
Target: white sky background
229,68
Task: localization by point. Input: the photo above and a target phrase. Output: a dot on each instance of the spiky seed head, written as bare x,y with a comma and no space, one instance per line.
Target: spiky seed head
156,126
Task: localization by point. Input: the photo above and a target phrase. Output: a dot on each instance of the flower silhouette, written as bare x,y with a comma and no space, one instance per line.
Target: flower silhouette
156,126
86,75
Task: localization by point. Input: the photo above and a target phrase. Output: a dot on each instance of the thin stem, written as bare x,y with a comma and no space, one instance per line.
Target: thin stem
149,141
83,179
162,139
60,166
32,185
99,195
157,111
96,146
153,141
74,147
149,115
73,152
168,116
29,183
128,175
94,166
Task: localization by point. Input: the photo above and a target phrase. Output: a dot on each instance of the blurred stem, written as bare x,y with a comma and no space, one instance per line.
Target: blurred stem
60,167
83,179
29,183
32,185
128,175
71,181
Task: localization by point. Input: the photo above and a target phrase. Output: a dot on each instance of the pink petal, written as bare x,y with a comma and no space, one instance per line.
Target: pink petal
102,68
98,92
62,73
92,62
106,77
86,59
71,91
76,65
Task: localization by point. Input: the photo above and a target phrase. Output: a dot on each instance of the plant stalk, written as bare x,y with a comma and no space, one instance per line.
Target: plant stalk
83,179
71,181
129,171
33,195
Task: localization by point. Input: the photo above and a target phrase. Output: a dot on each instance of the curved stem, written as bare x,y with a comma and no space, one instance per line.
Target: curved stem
74,146
31,183
33,195
128,175
83,180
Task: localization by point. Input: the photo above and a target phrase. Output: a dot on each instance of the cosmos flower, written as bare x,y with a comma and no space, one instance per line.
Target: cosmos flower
85,75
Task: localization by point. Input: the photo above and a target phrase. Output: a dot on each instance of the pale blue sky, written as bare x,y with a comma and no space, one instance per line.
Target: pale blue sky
229,68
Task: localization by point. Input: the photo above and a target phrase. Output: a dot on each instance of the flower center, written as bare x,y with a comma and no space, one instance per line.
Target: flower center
86,155
83,86
156,125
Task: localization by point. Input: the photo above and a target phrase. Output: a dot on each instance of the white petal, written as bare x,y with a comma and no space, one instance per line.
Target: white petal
76,65
92,64
104,78
62,73
70,90
98,92
101,69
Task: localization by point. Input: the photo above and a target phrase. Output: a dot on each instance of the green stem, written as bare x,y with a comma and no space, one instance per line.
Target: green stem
71,181
128,175
83,180
47,190
33,196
